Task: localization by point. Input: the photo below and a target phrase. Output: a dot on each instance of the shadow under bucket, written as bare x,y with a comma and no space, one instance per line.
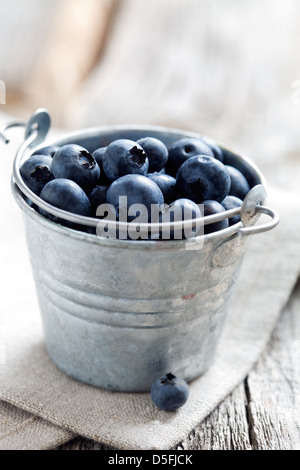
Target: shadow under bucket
120,314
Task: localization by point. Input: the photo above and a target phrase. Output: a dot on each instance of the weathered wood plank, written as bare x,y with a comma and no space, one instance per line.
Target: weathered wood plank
225,429
274,386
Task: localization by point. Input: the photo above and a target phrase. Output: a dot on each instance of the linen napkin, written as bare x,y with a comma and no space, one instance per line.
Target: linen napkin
41,407
20,430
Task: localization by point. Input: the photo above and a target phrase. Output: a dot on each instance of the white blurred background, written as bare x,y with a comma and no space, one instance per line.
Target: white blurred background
230,70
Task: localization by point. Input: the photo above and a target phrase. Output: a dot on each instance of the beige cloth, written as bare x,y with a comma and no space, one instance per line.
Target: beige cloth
20,430
49,408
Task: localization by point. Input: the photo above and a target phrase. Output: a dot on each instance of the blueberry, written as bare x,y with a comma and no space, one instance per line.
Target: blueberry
167,184
201,178
169,393
37,172
156,152
232,202
239,185
139,190
216,149
66,195
180,210
47,151
97,197
123,157
211,208
233,159
98,156
77,164
184,149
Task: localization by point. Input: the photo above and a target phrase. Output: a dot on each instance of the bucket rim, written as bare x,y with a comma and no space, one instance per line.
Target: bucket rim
159,245
101,131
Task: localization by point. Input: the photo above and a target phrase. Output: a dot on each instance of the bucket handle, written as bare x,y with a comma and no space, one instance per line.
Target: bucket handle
36,129
263,227
253,206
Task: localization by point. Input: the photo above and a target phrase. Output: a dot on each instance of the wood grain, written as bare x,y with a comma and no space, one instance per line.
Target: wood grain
273,387
225,429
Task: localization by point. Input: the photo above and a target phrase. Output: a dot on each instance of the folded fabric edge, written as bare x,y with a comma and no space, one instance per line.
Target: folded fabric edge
22,430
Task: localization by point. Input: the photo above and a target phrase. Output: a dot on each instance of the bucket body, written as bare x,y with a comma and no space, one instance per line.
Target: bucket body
120,314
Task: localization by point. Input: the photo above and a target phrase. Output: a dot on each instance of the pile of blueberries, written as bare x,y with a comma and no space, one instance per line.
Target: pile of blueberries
189,174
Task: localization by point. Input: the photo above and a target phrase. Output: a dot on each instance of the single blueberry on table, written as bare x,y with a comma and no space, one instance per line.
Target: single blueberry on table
137,189
98,156
37,172
48,151
124,157
211,208
232,202
201,178
184,149
167,184
169,393
180,210
156,152
66,195
97,197
75,163
239,185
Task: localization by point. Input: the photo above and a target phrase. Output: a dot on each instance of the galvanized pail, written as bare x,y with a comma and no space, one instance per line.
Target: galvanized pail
119,314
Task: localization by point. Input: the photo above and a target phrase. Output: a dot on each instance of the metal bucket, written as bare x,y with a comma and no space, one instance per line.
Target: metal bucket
119,314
